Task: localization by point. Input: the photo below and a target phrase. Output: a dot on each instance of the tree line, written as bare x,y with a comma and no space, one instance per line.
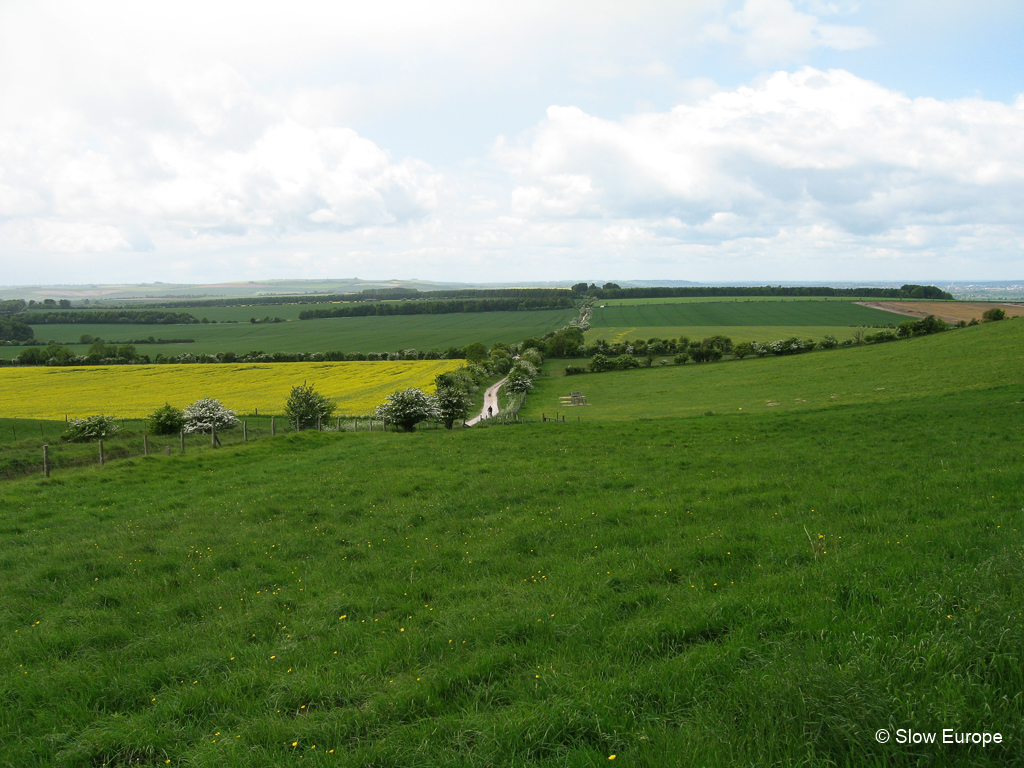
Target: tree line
108,317
436,307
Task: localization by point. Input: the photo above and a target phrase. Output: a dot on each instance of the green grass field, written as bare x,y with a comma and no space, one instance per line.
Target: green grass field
729,300
933,366
740,313
738,333
760,587
350,334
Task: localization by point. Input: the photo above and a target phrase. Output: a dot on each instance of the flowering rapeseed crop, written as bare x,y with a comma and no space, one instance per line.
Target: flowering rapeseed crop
135,391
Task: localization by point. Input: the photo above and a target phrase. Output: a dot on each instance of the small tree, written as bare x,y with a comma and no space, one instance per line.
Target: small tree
452,404
518,381
407,408
167,420
207,414
91,428
991,315
475,352
307,406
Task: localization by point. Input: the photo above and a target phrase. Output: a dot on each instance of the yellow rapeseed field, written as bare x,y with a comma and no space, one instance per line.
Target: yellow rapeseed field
135,391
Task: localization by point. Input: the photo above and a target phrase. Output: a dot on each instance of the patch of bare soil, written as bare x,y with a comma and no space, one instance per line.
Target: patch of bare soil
950,311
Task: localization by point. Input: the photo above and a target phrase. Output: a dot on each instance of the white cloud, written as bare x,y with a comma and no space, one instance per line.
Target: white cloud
799,148
196,153
774,31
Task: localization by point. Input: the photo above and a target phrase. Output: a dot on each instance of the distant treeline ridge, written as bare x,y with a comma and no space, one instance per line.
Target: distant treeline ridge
435,307
108,317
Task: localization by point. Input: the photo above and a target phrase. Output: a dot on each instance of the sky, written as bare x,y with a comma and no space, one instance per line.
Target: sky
452,141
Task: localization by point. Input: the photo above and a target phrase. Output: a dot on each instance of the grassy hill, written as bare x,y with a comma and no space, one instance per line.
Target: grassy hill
763,587
947,365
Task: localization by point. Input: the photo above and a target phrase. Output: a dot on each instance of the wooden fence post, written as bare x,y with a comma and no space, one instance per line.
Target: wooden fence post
183,441
213,436
245,433
168,450
318,429
46,460
145,444
273,428
101,452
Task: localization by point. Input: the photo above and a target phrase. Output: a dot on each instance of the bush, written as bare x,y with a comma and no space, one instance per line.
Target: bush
600,363
681,359
307,406
624,362
574,370
991,315
92,428
407,408
452,403
203,415
518,381
167,420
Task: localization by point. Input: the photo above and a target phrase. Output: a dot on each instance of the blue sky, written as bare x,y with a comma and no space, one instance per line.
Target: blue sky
706,140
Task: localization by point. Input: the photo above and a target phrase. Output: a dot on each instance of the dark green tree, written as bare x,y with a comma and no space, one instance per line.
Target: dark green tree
166,420
307,406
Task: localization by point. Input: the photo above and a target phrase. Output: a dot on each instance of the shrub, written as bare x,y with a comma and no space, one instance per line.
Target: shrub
307,406
574,370
91,428
623,362
991,315
203,415
518,381
452,403
407,408
600,363
829,342
681,359
167,420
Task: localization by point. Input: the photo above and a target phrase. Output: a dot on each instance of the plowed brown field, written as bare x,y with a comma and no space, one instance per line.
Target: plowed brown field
950,311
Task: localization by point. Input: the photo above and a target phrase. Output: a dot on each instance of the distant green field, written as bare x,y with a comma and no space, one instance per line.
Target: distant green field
726,299
348,334
740,313
899,370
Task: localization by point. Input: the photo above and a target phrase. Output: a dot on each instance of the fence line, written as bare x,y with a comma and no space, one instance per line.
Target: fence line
18,462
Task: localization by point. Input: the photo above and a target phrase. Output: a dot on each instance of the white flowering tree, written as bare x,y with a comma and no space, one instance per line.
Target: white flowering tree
92,428
407,408
203,415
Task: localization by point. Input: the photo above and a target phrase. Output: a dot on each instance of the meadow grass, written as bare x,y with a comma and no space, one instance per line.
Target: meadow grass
943,365
530,595
738,333
745,588
347,334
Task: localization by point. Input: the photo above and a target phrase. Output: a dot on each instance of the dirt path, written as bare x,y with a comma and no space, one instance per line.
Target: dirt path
490,399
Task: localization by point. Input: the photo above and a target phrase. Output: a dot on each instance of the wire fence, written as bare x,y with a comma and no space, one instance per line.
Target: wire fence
46,453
